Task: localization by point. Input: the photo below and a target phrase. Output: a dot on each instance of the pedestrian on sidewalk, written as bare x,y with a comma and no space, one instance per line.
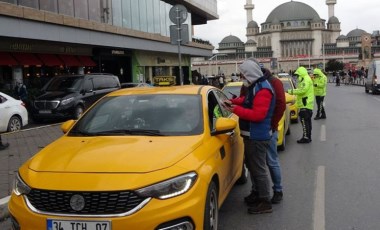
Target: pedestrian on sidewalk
3,145
320,88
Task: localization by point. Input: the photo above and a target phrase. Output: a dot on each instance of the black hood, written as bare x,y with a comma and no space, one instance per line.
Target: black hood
55,95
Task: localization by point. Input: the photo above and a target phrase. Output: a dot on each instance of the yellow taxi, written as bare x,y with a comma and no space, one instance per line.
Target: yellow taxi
232,90
140,158
288,83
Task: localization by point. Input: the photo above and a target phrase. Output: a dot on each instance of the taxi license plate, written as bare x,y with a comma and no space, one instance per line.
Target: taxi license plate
45,111
78,225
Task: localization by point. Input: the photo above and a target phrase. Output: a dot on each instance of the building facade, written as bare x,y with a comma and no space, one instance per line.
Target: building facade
293,34
131,39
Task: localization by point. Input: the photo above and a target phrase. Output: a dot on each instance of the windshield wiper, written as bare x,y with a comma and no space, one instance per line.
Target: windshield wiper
148,132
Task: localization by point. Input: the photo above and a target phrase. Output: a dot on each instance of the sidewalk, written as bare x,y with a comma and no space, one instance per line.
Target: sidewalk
23,145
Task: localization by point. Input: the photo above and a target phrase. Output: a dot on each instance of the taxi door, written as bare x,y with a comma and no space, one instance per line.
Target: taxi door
227,143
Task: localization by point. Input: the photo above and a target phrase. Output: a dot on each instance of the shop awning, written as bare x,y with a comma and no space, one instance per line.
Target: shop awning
70,60
86,61
50,60
27,59
7,59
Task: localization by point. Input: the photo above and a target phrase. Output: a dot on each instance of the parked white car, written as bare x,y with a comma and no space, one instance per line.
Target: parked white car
13,114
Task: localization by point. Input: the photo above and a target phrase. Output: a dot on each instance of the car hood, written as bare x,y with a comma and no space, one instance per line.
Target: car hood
53,95
128,154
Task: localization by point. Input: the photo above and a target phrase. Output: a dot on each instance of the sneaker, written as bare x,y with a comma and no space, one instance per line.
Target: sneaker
323,117
4,146
277,197
251,198
303,141
263,206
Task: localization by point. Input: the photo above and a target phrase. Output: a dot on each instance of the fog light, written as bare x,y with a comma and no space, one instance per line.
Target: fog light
182,224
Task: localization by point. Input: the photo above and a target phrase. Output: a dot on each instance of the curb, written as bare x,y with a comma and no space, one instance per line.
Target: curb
4,213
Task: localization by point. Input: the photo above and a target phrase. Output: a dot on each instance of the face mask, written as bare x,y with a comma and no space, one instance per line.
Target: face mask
245,83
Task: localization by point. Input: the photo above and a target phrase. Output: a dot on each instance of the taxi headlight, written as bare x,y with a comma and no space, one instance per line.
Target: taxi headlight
20,187
67,101
169,188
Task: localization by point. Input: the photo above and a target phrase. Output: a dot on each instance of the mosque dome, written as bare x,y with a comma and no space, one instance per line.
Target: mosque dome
356,33
291,11
251,42
252,24
231,39
342,37
333,20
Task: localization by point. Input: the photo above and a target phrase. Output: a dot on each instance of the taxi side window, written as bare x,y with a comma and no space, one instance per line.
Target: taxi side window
215,110
221,97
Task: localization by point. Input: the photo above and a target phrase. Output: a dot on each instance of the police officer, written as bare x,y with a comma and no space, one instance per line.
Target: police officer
320,84
305,102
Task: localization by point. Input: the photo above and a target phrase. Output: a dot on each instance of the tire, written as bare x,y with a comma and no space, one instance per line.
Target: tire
78,112
14,124
244,175
211,214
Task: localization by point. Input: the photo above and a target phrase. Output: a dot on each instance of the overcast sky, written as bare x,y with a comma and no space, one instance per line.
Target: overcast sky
364,14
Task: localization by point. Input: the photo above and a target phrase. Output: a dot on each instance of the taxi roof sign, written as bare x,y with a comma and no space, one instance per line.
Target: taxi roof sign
164,80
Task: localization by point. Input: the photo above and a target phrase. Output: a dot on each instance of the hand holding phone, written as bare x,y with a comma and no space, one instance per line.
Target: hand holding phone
227,104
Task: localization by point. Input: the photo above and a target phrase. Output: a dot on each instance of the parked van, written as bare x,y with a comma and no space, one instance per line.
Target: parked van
68,96
372,83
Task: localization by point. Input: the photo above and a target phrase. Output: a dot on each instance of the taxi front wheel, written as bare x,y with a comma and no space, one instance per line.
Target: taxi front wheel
211,215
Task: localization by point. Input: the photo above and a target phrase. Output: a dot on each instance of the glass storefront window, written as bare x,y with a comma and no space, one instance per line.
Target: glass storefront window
66,7
156,16
105,11
126,6
150,15
81,9
117,13
143,16
49,5
94,10
135,15
9,1
29,3
162,18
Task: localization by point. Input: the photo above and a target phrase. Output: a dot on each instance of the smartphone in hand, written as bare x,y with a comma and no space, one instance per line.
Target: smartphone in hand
227,104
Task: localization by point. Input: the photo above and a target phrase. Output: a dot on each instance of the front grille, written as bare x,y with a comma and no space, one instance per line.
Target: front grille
96,203
46,104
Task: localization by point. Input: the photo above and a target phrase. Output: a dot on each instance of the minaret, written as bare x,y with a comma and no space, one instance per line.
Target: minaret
249,8
330,4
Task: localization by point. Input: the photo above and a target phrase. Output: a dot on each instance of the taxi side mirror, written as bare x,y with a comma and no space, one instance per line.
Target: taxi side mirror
224,125
66,126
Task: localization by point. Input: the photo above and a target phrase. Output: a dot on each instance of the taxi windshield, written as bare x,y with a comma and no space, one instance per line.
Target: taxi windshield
147,115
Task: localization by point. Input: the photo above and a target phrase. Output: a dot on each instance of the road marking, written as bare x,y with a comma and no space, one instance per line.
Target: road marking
377,99
319,200
323,133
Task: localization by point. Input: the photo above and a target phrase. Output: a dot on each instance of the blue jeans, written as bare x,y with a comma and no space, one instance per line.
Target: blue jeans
273,163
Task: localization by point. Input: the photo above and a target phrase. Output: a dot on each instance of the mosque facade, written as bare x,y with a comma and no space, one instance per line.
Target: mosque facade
294,35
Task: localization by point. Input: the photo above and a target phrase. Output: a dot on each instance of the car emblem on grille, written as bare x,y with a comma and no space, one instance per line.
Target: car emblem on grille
77,202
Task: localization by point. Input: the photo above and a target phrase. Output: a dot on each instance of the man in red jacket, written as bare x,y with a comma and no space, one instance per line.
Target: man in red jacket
272,156
255,111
